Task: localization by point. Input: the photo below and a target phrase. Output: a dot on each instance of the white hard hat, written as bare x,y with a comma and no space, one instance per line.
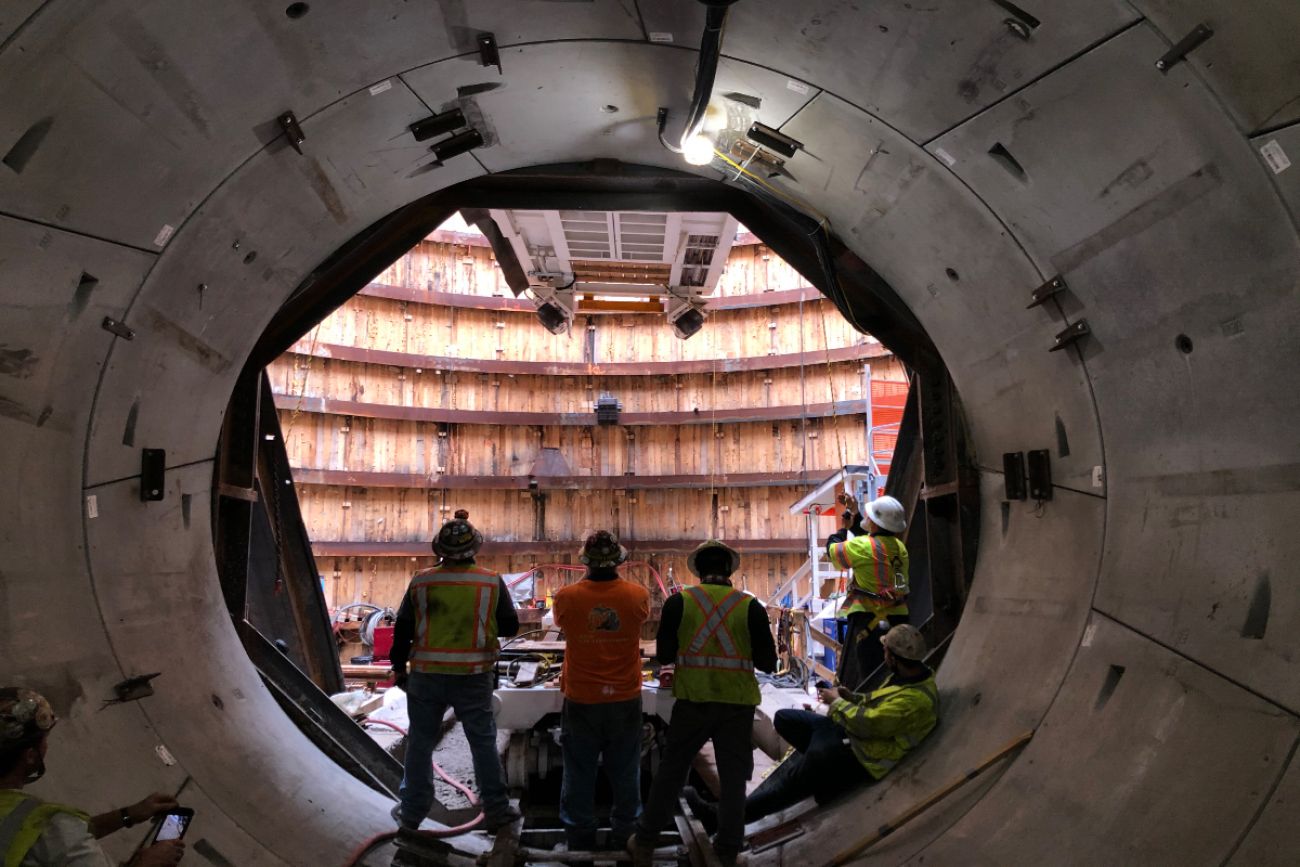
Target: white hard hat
887,514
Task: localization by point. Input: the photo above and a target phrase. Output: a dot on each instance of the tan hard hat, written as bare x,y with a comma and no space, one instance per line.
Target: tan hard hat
731,552
905,642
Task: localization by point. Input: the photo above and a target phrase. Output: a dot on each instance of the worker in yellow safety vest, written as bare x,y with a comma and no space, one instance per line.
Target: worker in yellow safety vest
446,632
869,544
860,739
36,833
717,635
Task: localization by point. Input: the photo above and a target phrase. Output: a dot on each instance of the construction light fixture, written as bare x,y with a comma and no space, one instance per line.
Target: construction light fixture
458,144
445,122
686,316
553,318
698,150
773,140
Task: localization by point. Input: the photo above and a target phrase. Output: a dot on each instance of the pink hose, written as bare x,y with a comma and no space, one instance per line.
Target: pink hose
378,839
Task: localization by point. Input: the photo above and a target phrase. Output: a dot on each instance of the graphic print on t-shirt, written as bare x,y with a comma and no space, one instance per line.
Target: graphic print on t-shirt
603,619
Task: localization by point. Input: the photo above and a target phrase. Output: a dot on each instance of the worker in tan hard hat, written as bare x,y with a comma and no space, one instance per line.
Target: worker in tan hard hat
870,545
446,631
601,616
35,833
717,635
860,739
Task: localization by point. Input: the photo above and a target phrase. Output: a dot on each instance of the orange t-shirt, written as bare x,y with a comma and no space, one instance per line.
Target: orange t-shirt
602,634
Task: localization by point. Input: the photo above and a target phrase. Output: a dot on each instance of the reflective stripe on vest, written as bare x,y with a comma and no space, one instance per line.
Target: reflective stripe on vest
715,625
728,662
873,589
458,635
715,662
23,819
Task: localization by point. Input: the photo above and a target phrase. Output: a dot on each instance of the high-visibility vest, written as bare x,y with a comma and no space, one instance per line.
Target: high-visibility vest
455,620
23,819
889,723
880,574
715,661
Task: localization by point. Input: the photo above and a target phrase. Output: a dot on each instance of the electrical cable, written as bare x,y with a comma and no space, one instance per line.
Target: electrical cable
366,848
706,69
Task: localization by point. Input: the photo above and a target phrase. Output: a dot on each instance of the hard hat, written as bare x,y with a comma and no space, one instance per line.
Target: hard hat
602,550
457,540
710,545
25,718
905,642
887,514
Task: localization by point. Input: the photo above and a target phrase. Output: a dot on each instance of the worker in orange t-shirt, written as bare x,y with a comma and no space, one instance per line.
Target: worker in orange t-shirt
601,616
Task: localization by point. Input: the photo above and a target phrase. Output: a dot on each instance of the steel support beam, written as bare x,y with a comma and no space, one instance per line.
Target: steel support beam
330,406
305,476
361,355
549,546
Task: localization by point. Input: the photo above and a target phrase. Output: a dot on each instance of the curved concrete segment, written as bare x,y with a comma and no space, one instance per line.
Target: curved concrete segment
1144,620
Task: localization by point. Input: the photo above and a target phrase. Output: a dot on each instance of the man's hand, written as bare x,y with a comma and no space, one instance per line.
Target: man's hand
400,679
165,854
827,695
151,807
846,693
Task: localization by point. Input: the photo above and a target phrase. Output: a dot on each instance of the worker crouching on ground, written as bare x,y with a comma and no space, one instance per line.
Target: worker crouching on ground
717,636
447,629
601,617
38,834
870,546
861,738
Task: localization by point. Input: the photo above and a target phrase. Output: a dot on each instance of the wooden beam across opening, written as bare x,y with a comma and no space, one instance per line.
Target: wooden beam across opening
361,355
510,304
330,406
360,479
492,547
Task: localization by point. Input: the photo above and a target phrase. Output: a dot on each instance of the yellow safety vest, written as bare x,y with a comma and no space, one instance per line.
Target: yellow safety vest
715,661
455,620
880,580
23,819
888,723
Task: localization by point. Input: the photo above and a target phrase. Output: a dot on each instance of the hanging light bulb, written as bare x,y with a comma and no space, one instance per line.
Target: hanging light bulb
698,150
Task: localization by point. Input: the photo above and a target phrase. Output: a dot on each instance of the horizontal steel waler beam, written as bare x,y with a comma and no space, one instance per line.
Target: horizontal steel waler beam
641,547
510,304
308,476
361,355
330,406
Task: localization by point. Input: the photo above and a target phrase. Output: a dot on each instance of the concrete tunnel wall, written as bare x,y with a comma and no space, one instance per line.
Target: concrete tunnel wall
1143,621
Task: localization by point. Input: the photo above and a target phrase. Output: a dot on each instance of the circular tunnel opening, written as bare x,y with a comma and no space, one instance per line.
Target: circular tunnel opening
935,476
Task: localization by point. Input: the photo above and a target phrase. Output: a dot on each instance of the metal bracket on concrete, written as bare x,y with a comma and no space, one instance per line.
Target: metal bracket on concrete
289,123
1047,290
1183,47
1073,334
114,326
133,688
488,55
153,475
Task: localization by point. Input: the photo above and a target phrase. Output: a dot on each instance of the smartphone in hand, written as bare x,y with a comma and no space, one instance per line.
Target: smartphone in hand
173,825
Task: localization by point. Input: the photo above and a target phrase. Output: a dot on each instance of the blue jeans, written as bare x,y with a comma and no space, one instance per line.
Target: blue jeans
590,733
470,696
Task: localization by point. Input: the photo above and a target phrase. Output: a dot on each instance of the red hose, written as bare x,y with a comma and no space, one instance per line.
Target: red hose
566,567
365,848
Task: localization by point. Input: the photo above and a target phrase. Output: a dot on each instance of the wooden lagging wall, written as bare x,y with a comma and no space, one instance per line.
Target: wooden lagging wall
486,466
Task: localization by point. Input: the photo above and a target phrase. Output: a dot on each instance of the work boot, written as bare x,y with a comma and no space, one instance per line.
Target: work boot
497,821
727,857
705,811
643,853
396,813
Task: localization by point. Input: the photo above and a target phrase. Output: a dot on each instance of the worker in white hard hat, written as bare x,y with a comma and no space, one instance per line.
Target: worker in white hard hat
717,635
859,740
36,833
869,544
